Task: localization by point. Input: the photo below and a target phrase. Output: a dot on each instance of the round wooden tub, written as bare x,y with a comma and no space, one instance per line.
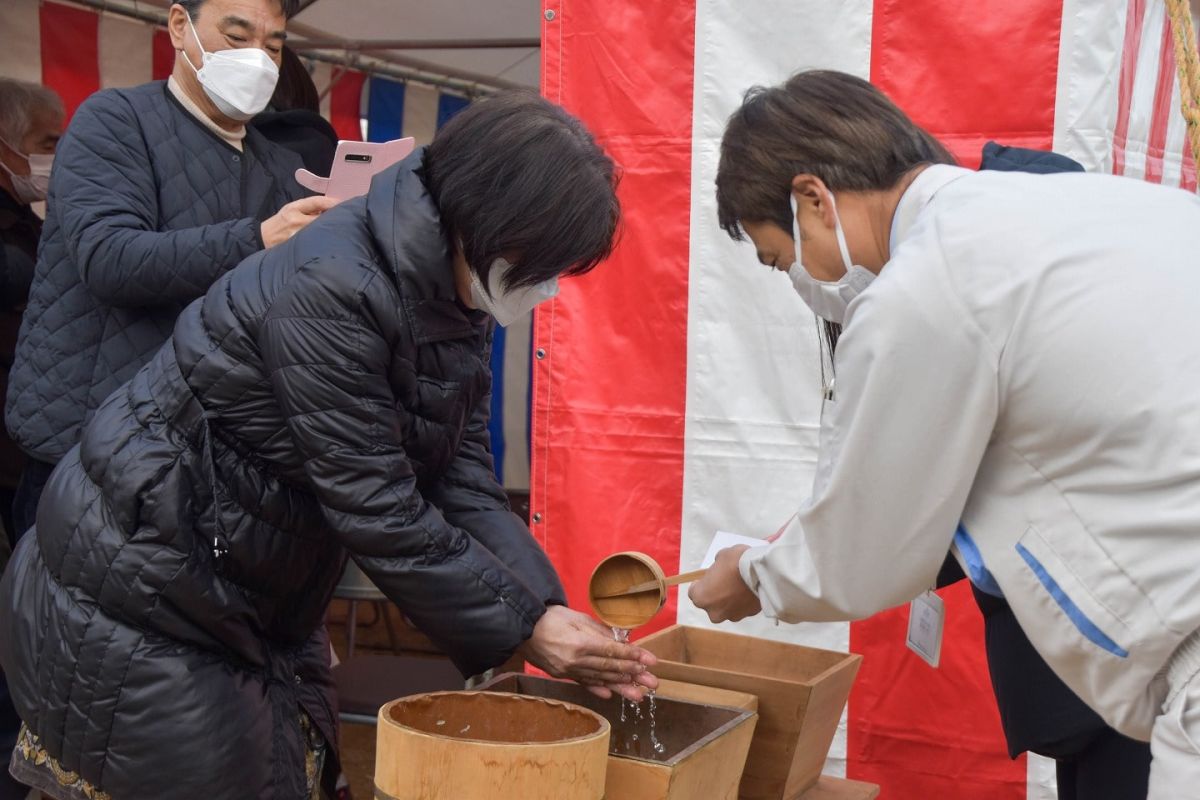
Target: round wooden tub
484,745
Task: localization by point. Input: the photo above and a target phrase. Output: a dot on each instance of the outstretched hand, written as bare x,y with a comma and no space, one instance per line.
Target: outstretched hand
568,644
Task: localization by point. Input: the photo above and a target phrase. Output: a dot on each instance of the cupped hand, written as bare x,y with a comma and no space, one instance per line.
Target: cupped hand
568,644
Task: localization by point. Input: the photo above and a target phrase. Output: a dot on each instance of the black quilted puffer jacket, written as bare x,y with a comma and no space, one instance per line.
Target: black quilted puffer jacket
147,209
161,625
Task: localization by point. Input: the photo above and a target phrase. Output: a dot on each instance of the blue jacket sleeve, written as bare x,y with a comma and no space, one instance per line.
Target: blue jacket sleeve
104,194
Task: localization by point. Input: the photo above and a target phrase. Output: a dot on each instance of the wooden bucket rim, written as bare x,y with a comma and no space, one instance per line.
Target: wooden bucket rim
807,683
740,716
603,729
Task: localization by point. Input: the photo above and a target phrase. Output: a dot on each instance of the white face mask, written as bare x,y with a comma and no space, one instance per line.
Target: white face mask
828,299
31,188
509,305
239,82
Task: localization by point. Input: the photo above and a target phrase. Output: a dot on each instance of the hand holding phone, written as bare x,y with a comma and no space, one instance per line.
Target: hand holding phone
354,165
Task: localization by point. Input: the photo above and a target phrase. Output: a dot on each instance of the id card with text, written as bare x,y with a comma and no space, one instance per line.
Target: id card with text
926,618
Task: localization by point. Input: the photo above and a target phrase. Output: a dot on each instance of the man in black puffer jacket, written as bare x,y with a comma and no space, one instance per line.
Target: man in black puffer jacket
156,192
161,624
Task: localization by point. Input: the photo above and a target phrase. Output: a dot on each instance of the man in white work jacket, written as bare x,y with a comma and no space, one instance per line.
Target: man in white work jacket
1018,379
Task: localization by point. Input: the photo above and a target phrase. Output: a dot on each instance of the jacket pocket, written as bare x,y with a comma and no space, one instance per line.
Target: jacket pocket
1071,586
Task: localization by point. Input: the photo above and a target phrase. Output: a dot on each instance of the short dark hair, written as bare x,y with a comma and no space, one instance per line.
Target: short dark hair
515,175
821,122
290,8
295,88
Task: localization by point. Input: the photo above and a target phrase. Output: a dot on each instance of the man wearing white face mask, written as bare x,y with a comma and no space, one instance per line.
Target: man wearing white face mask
31,122
159,190
990,400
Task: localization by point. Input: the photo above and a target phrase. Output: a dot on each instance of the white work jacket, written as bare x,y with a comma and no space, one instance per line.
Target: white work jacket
1020,384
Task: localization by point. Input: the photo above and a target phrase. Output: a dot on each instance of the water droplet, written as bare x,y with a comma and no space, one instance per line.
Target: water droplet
658,746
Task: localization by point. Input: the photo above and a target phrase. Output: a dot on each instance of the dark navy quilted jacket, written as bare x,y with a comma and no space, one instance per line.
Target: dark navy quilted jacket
162,623
147,209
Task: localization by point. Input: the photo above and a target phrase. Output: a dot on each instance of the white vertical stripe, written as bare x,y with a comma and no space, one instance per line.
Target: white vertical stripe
420,112
1141,104
1089,67
126,52
753,386
21,51
1176,140
322,74
1041,778
517,338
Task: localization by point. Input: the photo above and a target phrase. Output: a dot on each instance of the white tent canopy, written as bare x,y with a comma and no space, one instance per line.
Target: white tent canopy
481,46
467,22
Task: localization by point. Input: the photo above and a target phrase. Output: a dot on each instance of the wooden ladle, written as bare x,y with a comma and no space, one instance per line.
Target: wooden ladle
627,589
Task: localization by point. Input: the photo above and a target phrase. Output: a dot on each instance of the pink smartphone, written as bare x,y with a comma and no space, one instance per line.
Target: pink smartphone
354,164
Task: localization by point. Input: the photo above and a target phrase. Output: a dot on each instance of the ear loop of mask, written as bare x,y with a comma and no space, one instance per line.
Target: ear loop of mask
195,36
841,235
837,229
824,342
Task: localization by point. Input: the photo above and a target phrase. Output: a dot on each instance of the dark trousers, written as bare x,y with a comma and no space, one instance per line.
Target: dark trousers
1109,767
10,726
1040,714
24,513
8,499
29,492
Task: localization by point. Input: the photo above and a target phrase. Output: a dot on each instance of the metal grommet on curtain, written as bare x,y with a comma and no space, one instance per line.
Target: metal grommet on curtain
537,517
540,353
549,15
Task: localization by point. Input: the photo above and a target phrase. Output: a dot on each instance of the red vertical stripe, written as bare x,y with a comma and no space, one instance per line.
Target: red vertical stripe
967,74
924,733
70,52
345,112
608,406
1188,181
163,55
1160,118
1129,57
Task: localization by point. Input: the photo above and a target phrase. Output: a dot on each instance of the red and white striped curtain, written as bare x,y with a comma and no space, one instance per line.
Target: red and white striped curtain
677,390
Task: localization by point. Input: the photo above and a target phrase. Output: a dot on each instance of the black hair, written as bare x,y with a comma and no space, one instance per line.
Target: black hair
515,175
290,8
821,122
295,88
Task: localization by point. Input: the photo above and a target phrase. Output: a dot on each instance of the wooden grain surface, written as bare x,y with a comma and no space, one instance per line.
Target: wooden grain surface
829,788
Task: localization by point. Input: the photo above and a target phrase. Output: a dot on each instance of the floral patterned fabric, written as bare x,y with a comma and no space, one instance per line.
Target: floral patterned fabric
33,766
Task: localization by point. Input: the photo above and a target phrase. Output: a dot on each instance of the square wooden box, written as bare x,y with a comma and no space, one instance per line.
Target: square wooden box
801,693
705,745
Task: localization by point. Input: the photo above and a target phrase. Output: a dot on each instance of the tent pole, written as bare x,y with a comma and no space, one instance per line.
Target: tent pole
366,45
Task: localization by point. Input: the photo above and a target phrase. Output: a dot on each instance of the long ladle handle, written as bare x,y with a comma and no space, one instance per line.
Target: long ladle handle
650,586
686,577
